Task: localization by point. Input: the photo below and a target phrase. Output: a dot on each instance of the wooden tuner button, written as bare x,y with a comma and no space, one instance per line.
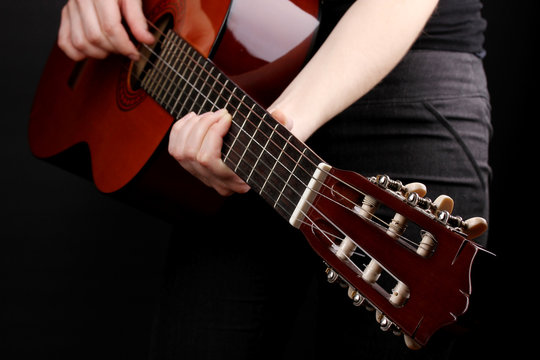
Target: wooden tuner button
444,203
417,188
475,227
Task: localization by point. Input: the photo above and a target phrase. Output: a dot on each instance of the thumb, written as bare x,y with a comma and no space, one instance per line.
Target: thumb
282,119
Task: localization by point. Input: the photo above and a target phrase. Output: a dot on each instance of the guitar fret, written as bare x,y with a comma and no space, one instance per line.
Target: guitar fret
188,82
263,149
165,68
220,102
250,139
193,81
182,81
289,178
158,72
218,88
276,162
259,149
170,92
233,116
197,85
206,90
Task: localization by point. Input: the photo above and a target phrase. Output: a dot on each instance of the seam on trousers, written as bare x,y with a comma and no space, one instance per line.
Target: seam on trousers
458,138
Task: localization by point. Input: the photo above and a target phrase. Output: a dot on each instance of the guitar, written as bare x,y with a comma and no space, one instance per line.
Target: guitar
209,55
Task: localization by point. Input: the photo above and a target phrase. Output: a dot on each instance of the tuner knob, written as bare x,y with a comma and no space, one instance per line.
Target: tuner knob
356,297
383,321
331,275
444,203
411,343
475,227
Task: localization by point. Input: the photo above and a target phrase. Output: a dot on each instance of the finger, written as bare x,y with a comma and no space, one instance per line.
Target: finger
177,135
213,141
195,131
110,23
64,37
133,13
187,135
78,34
210,157
91,25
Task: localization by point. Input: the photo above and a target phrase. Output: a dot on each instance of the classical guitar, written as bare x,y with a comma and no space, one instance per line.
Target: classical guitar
239,55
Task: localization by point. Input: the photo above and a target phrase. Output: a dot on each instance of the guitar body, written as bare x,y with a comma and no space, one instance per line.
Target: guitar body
94,103
413,269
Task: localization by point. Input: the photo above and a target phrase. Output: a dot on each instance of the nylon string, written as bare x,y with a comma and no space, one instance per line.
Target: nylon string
209,74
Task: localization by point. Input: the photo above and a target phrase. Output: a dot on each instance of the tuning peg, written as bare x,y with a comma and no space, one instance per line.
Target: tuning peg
355,296
475,227
331,275
415,188
395,229
444,203
411,343
385,323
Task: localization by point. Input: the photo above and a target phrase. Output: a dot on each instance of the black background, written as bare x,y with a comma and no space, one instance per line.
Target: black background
79,271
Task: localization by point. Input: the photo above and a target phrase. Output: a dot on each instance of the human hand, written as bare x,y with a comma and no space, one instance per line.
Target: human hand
195,142
93,28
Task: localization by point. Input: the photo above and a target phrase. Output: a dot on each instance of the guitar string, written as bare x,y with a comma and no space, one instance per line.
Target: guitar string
250,150
262,120
216,80
248,119
196,64
325,233
380,220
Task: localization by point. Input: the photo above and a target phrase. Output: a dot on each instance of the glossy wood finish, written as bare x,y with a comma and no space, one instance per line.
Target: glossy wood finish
439,285
94,102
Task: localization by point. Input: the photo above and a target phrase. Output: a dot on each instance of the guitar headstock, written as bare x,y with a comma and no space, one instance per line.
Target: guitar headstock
395,250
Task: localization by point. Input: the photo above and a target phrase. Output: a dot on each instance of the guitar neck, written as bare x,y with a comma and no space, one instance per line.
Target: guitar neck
257,147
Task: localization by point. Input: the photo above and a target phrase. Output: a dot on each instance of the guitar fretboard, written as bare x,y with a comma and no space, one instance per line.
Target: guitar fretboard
258,148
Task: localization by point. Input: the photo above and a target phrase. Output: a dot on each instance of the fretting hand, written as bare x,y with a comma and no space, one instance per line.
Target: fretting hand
195,142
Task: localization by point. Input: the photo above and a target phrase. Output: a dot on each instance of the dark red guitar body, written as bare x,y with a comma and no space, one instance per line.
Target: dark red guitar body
93,102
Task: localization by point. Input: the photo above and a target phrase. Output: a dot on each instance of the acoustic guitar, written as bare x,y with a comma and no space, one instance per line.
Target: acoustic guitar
239,55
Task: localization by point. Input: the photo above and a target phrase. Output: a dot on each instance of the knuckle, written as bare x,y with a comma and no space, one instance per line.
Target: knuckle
188,153
204,159
109,29
62,43
172,150
94,37
79,43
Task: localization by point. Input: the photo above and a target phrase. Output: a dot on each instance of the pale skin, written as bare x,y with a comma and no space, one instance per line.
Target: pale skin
368,42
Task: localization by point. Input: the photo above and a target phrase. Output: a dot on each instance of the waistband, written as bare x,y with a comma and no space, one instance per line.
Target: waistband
432,74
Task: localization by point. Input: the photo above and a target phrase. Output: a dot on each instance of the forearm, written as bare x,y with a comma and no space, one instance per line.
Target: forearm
365,46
